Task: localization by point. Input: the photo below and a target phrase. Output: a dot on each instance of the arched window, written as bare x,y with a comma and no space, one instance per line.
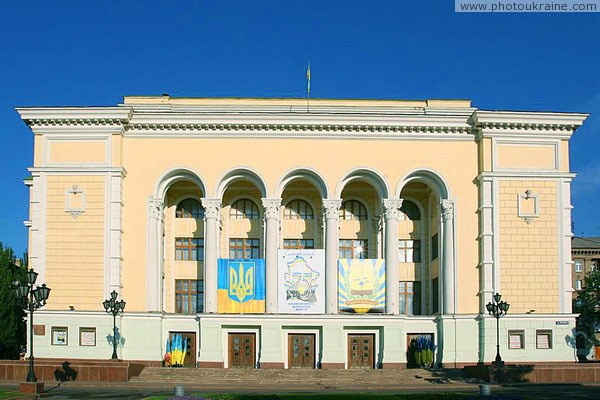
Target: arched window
244,208
189,208
353,209
410,211
298,209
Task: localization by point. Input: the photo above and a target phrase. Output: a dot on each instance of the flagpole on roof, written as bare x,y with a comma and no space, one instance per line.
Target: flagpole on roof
308,87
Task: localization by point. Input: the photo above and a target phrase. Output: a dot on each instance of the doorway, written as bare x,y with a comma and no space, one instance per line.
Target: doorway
301,350
242,350
361,351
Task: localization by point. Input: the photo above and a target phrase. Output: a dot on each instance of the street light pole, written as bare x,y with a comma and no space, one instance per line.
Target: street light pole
497,309
114,307
31,298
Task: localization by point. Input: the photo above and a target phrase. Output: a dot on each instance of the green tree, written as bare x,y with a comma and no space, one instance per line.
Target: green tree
588,303
12,334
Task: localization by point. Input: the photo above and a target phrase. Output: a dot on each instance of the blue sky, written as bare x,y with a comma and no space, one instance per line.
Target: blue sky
95,52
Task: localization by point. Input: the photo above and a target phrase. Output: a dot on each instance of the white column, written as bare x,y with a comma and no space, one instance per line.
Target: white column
154,255
486,242
391,208
113,231
565,284
448,270
272,227
331,208
212,211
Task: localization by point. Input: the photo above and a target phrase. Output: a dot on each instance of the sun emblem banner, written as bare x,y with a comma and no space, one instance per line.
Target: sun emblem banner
361,286
301,281
241,286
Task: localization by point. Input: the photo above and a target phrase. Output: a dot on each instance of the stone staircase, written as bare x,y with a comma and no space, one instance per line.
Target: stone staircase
295,379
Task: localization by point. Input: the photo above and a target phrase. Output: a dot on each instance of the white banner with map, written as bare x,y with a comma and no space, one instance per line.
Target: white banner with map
301,281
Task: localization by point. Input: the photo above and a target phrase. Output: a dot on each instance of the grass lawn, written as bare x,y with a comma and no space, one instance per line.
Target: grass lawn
4,394
325,396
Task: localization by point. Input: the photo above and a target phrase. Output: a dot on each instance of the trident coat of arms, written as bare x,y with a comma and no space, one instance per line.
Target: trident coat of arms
241,281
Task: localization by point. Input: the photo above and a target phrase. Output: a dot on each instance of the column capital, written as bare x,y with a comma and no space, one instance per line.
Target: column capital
447,209
155,207
391,208
212,207
331,208
271,207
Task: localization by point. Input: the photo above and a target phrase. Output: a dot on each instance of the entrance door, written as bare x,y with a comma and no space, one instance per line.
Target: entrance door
242,350
301,350
361,351
190,352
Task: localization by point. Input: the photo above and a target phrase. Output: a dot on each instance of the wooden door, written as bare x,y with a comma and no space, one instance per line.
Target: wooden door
301,350
190,351
361,351
242,348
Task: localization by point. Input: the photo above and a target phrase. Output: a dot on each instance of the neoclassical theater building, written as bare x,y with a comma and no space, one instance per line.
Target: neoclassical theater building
273,234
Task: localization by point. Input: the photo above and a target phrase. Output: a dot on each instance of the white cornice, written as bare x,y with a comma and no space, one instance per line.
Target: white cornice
285,120
79,120
526,123
482,117
83,170
75,114
524,174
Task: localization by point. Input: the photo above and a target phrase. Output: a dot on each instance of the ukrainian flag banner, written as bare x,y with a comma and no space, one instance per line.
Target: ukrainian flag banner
241,286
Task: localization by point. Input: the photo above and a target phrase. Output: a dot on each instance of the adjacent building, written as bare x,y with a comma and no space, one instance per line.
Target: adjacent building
586,258
267,234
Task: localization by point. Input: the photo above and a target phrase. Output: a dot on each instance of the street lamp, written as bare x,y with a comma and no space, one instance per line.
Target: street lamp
497,309
31,299
114,307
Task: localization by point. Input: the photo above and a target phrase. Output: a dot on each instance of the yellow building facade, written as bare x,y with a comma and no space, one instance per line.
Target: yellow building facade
353,234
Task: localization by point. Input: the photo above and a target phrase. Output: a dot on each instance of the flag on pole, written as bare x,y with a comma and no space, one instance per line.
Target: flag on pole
308,80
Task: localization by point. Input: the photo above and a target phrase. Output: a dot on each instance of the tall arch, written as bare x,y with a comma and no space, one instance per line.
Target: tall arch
304,173
176,175
155,229
368,175
440,187
428,176
240,174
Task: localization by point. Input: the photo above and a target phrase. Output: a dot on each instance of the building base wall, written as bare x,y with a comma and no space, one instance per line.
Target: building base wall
141,337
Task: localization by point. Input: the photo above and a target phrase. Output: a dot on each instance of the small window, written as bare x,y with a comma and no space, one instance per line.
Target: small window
244,248
298,244
434,247
353,249
189,296
410,211
543,339
516,339
578,266
578,284
244,208
60,335
298,209
594,265
409,251
353,210
189,208
87,336
189,249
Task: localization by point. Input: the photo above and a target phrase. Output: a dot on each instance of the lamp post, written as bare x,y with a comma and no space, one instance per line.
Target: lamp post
114,307
497,309
31,299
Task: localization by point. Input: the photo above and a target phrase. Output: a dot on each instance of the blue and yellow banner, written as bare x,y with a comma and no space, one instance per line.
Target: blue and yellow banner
241,286
361,286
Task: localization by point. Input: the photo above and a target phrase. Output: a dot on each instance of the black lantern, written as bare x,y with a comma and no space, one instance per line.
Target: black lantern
31,299
114,307
497,309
